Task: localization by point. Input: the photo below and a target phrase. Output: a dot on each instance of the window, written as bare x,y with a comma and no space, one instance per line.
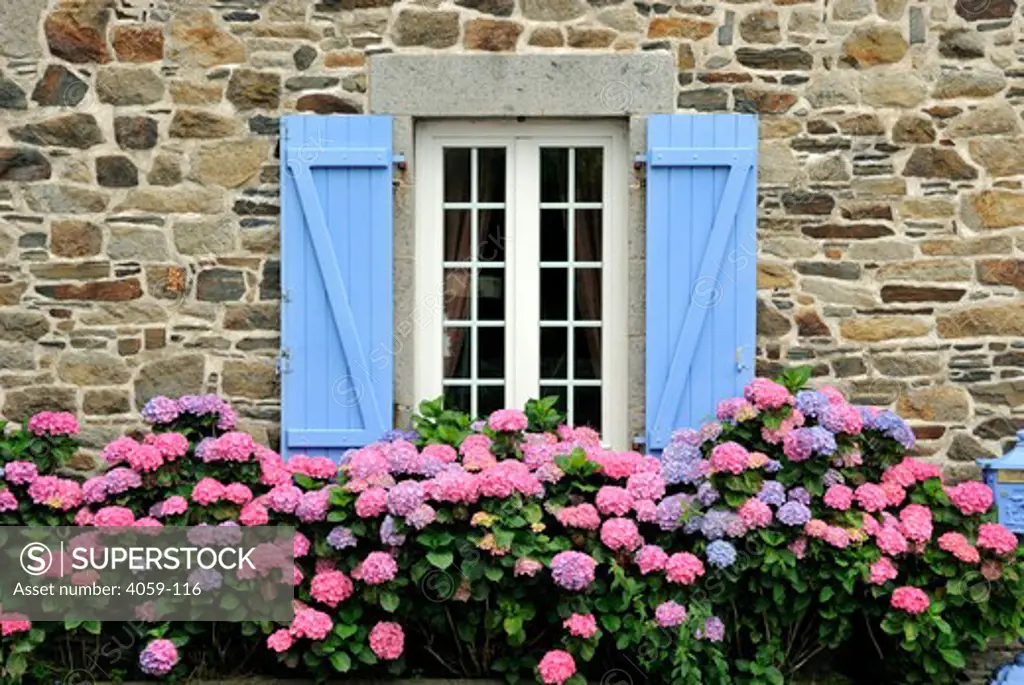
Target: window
521,263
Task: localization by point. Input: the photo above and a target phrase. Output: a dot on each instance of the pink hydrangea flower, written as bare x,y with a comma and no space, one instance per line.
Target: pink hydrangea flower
618,465
507,421
20,472
729,457
869,524
280,640
331,588
376,568
581,625
300,545
53,423
839,497
894,494
14,626
171,446
621,534
871,497
651,558
478,459
910,599
320,468
646,511
670,614
798,547
556,667
238,493
970,497
387,640
841,417
882,571
902,474
816,528
254,514
455,487
527,567
837,537
116,451
55,493
916,520
113,517
755,514
650,486
958,545
8,502
774,437
207,491
736,409
922,470
311,623
145,458
767,394
996,537
372,502
613,500
583,516
891,541
158,658
683,568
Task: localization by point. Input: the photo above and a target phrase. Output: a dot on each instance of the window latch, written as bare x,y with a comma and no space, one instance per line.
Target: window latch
281,365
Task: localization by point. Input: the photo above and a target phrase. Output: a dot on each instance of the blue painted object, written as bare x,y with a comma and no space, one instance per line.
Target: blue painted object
701,266
1005,476
336,364
1010,674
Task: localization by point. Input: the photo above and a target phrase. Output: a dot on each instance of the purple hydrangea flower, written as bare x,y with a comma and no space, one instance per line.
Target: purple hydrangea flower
707,494
206,579
772,492
832,477
891,425
203,449
793,514
341,538
713,630
421,517
405,497
573,570
715,523
686,436
811,403
670,511
388,533
693,524
160,409
799,495
773,466
121,480
721,554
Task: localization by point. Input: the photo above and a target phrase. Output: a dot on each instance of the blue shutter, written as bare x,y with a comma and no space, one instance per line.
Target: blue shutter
701,266
337,387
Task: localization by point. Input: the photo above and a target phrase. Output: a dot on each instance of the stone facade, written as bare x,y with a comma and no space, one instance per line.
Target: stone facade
139,222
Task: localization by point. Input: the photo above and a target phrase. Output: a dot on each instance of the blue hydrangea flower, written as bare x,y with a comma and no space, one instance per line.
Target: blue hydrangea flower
341,538
891,425
670,511
707,494
811,403
686,436
721,554
715,523
772,492
773,466
693,524
799,495
793,514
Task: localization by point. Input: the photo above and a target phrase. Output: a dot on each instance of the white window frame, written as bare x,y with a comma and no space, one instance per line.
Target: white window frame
523,140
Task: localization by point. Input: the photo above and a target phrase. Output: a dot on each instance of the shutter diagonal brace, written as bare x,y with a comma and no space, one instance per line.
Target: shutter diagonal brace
725,217
337,294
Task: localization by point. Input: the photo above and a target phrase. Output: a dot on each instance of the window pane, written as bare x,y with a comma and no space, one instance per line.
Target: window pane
588,294
589,174
554,174
491,352
554,294
587,411
456,398
491,294
456,294
456,174
559,391
587,353
456,235
554,235
490,398
588,235
554,352
492,235
456,353
491,168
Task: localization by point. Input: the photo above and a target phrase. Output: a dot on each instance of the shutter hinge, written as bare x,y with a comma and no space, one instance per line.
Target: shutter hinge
286,295
741,365
282,367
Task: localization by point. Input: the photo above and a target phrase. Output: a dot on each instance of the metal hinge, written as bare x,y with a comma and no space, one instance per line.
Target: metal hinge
286,295
741,365
281,366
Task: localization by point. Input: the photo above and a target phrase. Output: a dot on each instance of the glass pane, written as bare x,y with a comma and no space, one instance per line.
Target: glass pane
554,174
588,294
491,167
554,235
490,295
490,398
554,293
456,398
588,235
456,235
559,391
589,174
456,174
587,411
492,235
456,353
490,344
554,351
587,353
456,294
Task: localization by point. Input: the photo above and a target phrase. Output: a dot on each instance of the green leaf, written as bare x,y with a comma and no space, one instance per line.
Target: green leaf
93,627
826,594
953,657
441,560
513,625
389,601
611,622
345,631
341,662
17,665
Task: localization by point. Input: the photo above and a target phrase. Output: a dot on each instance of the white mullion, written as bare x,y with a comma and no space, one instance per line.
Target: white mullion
524,259
563,324
570,362
469,265
475,205
572,203
582,265
474,316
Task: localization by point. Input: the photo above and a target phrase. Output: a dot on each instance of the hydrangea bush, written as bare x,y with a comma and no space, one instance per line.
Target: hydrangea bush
792,526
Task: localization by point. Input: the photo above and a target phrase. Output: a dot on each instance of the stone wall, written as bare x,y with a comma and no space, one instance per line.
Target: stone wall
139,185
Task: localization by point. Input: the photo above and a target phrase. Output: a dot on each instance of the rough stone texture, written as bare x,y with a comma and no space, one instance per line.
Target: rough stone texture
139,184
